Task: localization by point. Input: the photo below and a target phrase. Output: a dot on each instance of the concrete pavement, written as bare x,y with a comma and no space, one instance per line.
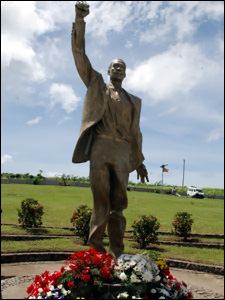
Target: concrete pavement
17,277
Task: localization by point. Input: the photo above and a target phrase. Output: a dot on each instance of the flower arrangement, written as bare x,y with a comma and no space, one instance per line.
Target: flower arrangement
182,224
145,230
145,278
87,272
31,212
81,219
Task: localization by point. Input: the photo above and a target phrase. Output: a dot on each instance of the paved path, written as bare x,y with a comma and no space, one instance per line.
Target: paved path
18,276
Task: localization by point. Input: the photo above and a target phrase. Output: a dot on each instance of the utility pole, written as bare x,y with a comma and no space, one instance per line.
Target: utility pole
163,168
183,174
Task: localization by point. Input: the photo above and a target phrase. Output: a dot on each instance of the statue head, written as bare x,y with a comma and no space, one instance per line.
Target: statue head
117,70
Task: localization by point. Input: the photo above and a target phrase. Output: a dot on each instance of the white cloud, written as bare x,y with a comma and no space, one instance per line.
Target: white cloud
53,174
21,22
167,112
61,121
103,18
64,95
6,158
171,74
128,44
179,18
34,121
215,135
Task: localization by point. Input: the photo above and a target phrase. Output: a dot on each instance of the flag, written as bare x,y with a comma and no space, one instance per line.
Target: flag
165,170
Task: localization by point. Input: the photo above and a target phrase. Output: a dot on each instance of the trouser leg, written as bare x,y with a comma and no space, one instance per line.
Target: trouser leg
117,221
109,165
100,186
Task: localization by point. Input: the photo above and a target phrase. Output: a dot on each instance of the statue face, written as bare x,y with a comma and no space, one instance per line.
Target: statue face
117,70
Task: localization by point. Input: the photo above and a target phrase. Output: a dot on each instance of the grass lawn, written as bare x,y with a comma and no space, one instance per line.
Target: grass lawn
207,256
59,203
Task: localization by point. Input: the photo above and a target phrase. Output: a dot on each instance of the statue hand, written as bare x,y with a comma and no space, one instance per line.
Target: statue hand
142,173
82,10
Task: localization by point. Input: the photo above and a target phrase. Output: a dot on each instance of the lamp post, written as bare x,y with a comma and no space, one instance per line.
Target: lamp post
163,168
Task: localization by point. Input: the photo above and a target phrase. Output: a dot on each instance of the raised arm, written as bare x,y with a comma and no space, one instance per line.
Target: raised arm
84,68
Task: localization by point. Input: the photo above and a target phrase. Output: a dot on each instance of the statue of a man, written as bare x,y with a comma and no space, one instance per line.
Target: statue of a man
110,138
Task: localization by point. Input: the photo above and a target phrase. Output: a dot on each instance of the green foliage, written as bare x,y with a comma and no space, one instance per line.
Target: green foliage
182,224
145,230
30,213
38,177
81,219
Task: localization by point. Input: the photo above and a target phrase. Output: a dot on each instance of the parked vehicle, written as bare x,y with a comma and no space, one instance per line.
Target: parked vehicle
195,192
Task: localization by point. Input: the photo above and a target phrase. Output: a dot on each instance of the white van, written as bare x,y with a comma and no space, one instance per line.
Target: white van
195,192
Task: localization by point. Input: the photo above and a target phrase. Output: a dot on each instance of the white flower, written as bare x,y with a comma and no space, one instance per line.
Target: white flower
64,291
137,269
126,266
56,294
49,294
59,286
69,292
132,263
51,287
134,278
153,291
40,297
162,297
147,276
123,295
143,262
141,268
157,278
40,290
123,276
120,262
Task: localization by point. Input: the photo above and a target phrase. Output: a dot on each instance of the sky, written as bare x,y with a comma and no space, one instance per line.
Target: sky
174,52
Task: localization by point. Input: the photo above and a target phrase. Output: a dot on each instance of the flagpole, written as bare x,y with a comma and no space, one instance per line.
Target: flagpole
163,168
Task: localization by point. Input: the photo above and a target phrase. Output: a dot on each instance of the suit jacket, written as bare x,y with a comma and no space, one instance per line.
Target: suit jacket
95,104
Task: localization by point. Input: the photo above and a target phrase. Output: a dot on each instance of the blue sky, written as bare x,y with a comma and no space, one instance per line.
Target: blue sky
174,51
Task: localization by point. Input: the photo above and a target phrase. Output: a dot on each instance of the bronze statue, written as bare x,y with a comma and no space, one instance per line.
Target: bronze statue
110,138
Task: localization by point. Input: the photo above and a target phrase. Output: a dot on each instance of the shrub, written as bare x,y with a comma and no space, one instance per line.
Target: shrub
31,212
182,224
145,230
81,219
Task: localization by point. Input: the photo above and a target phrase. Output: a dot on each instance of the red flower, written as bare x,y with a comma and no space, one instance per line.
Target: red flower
184,284
45,274
86,270
70,285
167,271
97,259
177,286
37,278
86,278
29,289
62,269
104,272
46,289
174,279
145,296
189,294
